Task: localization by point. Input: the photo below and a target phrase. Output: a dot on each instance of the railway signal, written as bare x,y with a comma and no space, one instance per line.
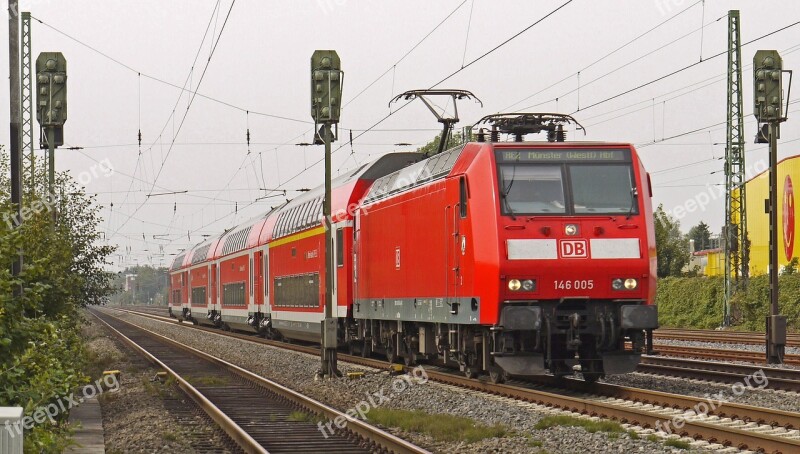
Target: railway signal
768,110
326,103
51,106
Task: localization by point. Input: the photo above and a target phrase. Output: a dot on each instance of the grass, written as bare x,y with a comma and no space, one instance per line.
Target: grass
676,444
535,443
571,421
633,435
207,381
169,436
299,416
653,438
441,427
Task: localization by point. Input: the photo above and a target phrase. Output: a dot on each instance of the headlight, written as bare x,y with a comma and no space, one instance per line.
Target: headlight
528,285
514,285
571,229
624,284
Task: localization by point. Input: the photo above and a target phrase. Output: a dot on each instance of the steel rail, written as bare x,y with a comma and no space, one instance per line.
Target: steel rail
237,434
720,354
386,440
730,337
714,433
781,379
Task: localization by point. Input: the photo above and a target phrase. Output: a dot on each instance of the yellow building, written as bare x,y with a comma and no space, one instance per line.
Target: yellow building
758,220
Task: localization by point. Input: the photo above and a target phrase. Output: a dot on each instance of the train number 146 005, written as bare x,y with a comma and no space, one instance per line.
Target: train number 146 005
581,284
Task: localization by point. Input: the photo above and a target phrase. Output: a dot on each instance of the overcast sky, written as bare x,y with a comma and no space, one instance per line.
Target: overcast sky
260,63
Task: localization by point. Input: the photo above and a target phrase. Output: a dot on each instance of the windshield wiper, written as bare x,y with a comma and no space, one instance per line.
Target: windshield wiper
507,190
634,196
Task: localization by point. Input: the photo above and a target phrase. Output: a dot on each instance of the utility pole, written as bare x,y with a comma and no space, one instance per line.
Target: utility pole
29,159
326,96
737,245
768,94
15,120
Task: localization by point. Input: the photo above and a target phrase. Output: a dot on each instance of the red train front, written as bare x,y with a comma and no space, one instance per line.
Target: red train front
510,257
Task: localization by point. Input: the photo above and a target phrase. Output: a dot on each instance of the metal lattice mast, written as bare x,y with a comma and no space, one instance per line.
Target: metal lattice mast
28,158
737,245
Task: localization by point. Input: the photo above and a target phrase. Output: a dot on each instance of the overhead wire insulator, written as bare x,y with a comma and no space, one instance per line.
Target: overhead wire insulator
247,125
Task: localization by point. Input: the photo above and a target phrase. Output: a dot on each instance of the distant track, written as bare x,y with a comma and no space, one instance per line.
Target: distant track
720,354
748,427
727,337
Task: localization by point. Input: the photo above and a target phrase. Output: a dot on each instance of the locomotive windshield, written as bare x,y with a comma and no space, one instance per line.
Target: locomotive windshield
548,182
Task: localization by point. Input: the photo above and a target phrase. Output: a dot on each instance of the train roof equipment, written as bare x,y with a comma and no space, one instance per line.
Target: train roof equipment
446,121
521,124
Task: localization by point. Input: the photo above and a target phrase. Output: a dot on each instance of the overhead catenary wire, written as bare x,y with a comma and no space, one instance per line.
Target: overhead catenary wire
186,113
384,118
684,68
626,44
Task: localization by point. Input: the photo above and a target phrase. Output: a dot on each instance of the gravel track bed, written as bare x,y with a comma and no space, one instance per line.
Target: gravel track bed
721,345
296,370
135,419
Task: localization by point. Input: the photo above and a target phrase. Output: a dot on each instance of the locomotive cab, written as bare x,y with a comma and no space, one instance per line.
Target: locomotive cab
577,277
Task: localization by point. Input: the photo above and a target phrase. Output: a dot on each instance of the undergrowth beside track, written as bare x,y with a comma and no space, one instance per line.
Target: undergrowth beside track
696,302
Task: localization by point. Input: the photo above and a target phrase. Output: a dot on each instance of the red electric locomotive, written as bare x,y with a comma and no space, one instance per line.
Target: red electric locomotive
514,258
510,257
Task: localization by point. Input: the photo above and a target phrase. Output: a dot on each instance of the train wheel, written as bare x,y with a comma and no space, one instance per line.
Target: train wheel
391,350
471,367
410,358
497,375
591,377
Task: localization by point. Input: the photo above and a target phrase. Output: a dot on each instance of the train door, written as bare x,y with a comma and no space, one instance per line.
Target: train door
454,213
265,279
212,276
259,277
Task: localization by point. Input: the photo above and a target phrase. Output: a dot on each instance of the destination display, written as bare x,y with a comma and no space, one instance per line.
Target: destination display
523,155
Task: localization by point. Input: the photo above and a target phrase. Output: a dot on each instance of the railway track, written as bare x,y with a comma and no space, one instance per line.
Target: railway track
726,337
729,424
282,421
780,379
720,354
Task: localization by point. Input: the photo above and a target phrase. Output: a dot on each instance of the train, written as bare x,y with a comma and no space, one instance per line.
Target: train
500,258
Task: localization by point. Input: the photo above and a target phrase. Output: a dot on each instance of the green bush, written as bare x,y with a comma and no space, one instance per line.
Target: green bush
696,302
41,353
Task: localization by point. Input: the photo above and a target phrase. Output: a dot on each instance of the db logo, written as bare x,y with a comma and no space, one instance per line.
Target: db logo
573,249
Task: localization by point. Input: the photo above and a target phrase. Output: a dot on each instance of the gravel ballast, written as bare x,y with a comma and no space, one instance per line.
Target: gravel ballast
135,418
297,370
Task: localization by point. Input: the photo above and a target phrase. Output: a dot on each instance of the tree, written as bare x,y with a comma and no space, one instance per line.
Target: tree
671,245
150,285
431,147
701,236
